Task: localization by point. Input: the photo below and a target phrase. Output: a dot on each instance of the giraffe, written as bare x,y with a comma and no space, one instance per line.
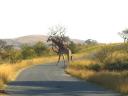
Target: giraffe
61,48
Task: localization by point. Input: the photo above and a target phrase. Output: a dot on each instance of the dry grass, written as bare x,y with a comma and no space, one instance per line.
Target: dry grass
115,56
80,73
115,80
8,72
82,63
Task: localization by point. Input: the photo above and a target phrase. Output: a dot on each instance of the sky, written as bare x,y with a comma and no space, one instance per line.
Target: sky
100,20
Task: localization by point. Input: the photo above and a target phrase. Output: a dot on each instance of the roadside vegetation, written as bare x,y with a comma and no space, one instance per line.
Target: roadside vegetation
104,64
12,60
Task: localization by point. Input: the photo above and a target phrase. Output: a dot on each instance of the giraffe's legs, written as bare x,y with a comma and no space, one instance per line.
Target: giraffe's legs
68,57
64,60
58,59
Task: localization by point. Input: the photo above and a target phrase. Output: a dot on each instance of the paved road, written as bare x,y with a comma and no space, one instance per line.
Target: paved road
50,80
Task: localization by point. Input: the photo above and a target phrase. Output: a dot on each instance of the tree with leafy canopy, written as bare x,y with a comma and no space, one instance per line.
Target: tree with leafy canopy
74,47
90,42
5,50
15,56
40,49
124,35
27,52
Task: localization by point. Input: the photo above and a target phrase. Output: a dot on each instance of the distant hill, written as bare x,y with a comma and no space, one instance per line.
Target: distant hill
78,41
32,39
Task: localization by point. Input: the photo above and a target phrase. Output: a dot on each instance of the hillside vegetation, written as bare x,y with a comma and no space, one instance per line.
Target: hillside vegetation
106,65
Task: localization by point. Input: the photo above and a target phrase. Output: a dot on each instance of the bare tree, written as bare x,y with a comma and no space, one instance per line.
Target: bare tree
59,42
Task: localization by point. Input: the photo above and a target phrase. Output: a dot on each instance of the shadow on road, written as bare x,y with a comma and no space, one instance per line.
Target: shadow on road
72,88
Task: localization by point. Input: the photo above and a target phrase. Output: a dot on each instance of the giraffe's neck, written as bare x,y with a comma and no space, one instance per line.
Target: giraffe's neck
62,49
57,43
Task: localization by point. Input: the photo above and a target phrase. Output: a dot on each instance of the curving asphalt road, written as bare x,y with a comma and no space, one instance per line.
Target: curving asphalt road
51,80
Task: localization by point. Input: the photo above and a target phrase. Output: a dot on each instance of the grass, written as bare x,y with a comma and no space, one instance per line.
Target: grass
108,69
114,80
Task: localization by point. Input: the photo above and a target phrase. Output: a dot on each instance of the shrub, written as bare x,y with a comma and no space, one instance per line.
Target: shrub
74,47
40,49
15,56
27,52
117,66
102,53
113,57
95,67
117,61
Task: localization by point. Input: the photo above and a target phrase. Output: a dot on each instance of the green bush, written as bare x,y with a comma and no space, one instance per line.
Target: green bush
117,66
15,56
95,67
117,61
102,54
74,47
27,52
37,50
12,55
40,49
